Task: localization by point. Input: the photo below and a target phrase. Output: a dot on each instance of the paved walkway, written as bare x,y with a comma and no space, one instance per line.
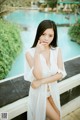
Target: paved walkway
75,115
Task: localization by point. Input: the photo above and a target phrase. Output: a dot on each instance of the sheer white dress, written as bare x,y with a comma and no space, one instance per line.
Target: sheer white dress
37,97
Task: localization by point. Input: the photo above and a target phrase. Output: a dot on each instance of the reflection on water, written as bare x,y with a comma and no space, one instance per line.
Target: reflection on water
31,19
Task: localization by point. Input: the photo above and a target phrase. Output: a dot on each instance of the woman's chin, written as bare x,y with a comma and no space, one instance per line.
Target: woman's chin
46,44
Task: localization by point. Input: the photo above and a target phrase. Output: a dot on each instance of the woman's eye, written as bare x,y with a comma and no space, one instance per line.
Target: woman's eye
50,36
43,34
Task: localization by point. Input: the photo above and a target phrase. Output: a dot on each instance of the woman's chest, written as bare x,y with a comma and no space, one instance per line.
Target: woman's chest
49,66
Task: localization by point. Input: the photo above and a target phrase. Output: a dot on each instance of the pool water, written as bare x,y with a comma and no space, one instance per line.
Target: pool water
31,19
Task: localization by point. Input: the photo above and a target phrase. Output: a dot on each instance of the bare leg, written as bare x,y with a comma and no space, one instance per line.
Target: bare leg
47,118
50,111
53,105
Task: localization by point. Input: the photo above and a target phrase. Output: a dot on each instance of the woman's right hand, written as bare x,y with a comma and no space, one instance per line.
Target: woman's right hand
40,47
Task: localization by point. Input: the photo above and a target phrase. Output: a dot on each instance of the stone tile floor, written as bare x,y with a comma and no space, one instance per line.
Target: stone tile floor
75,115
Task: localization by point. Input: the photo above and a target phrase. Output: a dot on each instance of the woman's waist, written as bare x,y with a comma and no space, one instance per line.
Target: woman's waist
53,84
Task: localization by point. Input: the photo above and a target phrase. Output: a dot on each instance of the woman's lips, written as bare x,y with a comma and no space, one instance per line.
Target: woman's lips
45,42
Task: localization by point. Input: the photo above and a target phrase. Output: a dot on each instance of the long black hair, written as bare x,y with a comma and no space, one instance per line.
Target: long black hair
45,24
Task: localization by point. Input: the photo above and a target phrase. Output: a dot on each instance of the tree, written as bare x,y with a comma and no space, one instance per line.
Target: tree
51,3
9,5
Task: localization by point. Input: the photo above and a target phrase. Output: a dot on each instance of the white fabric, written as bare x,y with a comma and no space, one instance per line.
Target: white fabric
37,97
48,93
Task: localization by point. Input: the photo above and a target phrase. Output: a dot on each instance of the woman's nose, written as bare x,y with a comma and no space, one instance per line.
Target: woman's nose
46,37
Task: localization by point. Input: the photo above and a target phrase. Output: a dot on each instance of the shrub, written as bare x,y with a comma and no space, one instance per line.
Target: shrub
74,32
10,46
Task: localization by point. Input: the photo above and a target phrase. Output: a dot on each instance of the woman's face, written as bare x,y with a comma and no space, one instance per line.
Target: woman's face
47,37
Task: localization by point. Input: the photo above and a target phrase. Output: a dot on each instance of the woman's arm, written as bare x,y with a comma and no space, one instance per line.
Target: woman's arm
53,78
34,62
59,75
37,66
38,83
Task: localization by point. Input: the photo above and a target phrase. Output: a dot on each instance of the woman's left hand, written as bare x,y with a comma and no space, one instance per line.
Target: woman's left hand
35,84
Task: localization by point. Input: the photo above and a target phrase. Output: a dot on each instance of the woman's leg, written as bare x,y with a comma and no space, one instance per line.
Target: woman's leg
53,104
50,111
47,118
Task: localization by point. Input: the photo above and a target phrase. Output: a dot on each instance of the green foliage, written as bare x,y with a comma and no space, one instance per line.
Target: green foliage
74,32
16,3
52,3
10,46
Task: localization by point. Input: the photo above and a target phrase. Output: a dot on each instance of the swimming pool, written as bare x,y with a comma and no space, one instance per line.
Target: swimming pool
31,19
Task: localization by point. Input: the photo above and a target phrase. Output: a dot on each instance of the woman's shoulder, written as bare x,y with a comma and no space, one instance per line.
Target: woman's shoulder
55,48
30,51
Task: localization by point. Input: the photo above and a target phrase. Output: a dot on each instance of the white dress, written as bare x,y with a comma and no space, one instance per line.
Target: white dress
37,97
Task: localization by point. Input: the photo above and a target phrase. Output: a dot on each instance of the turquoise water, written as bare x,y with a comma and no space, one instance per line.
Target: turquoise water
31,19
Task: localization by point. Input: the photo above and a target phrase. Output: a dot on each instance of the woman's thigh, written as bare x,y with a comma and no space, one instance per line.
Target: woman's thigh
53,105
47,118
50,111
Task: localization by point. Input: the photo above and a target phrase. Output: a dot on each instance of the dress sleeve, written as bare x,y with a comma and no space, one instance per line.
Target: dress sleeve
28,72
61,67
62,71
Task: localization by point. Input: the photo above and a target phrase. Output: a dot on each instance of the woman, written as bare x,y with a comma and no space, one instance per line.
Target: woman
44,67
